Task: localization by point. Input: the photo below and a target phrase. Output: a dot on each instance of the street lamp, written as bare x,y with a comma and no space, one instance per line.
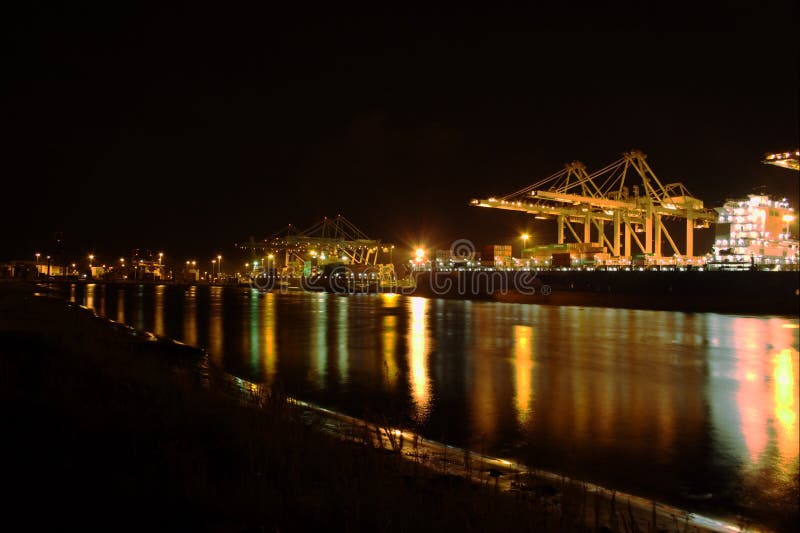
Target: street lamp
525,238
219,258
420,258
269,259
38,255
213,262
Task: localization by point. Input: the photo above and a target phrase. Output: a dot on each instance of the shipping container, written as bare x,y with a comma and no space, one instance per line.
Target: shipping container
562,260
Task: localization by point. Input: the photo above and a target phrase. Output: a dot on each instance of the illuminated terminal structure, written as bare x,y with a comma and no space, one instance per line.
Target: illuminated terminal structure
790,160
611,207
330,243
755,231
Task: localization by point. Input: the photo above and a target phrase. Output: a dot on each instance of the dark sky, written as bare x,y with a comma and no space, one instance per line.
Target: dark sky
190,129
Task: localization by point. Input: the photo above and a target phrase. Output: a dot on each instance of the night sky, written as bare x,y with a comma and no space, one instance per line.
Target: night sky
187,130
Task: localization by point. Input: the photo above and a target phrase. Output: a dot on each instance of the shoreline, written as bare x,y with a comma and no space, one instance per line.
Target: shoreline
745,293
750,293
505,475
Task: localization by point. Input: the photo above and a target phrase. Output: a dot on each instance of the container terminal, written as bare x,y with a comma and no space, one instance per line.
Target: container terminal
614,219
610,226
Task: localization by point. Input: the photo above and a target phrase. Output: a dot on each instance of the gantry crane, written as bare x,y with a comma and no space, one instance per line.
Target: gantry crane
626,193
329,240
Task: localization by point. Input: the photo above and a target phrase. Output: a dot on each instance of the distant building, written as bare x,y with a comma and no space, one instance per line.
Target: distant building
147,265
49,269
755,231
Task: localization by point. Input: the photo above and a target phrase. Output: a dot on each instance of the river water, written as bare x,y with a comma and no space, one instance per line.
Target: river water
695,409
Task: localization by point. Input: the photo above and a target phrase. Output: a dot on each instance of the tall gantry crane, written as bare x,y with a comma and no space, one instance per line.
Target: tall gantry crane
337,237
626,193
329,240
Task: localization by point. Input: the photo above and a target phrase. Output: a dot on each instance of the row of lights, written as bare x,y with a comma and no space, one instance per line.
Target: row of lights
255,263
785,155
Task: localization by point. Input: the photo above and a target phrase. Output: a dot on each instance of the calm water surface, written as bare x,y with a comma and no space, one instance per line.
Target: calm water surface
696,409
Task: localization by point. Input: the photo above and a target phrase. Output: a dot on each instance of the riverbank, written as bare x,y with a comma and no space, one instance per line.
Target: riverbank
770,293
104,377
729,292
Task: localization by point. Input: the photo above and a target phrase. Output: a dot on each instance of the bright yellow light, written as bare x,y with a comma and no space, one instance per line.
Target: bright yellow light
523,367
270,256
418,363
219,257
91,257
784,378
420,253
788,218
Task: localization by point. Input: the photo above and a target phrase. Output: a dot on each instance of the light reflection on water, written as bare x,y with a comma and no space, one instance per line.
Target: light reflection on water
269,343
759,375
190,317
523,369
120,306
216,321
419,339
699,403
319,336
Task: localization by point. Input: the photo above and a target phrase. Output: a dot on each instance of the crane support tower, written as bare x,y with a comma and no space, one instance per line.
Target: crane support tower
619,201
330,241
